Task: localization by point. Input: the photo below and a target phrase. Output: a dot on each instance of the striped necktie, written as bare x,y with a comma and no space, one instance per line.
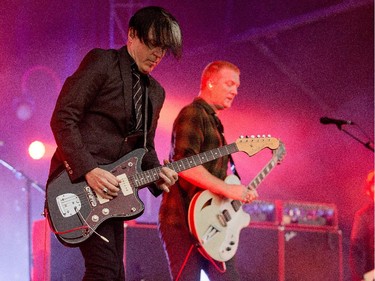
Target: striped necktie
137,99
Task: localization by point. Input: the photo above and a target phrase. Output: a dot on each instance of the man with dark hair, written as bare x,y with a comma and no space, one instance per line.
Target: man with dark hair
197,129
109,107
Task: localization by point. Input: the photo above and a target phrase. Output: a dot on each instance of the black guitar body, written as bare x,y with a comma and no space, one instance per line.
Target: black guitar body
74,211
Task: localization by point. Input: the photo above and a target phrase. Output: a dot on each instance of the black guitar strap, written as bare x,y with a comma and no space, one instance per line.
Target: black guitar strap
220,128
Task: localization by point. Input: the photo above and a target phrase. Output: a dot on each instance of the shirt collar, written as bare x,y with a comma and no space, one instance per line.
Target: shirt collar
208,108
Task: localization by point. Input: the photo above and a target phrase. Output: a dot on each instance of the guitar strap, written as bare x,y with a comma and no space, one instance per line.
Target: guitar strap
220,128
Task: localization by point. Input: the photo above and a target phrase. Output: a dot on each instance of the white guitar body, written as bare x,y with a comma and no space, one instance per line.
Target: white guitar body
217,222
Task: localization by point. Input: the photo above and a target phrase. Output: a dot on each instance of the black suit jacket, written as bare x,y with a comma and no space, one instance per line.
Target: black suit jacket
93,118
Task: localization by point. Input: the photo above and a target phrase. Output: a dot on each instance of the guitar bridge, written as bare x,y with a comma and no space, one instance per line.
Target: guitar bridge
209,234
69,204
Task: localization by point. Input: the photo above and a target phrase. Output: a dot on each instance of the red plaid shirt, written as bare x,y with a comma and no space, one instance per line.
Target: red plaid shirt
194,131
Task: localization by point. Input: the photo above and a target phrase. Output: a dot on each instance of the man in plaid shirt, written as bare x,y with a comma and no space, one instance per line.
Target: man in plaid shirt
197,129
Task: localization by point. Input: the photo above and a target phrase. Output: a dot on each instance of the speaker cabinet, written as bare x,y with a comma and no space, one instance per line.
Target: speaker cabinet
265,252
144,254
51,259
312,254
289,254
257,256
144,257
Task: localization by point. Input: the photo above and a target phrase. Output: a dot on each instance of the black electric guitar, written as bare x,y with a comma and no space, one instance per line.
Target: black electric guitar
74,211
217,221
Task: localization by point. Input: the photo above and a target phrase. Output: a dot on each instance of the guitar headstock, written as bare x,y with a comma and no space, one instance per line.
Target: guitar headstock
279,153
254,144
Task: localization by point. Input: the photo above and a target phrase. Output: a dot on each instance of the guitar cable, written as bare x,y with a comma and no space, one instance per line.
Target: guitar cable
184,263
208,258
101,236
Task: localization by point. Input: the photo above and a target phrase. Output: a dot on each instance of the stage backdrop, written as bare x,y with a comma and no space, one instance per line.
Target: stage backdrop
299,61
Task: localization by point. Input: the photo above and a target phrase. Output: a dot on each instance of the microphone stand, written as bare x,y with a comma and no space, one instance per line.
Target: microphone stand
29,183
369,144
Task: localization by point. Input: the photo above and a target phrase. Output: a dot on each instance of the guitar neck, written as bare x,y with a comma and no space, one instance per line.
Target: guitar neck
263,173
145,178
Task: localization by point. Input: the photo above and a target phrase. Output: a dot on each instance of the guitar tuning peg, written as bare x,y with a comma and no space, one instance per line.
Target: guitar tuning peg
263,136
258,136
241,137
269,135
252,136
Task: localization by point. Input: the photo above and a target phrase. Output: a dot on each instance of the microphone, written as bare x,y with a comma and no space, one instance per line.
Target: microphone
338,122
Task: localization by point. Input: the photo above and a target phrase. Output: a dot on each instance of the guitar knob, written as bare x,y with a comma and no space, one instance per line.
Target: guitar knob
232,243
228,249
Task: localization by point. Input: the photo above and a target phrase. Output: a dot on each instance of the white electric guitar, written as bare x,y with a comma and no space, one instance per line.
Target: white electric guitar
216,221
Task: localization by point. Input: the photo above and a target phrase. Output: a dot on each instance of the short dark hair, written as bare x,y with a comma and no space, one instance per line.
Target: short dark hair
166,30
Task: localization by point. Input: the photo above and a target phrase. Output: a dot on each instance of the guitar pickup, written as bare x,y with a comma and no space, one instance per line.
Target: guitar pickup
222,220
236,205
125,185
227,215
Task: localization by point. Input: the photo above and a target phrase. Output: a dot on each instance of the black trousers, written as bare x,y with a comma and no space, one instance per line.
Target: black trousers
103,260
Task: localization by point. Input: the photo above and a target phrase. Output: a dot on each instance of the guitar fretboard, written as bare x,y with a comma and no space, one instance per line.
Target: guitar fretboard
145,178
268,168
263,173
236,204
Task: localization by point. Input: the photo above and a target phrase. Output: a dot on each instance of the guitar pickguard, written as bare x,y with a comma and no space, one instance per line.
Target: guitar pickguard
75,211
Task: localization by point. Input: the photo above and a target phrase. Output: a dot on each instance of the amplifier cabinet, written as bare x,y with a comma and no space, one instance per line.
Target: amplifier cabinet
144,255
283,253
52,260
266,252
258,253
311,254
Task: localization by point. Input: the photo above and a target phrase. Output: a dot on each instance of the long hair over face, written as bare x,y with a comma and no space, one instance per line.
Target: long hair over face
164,28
